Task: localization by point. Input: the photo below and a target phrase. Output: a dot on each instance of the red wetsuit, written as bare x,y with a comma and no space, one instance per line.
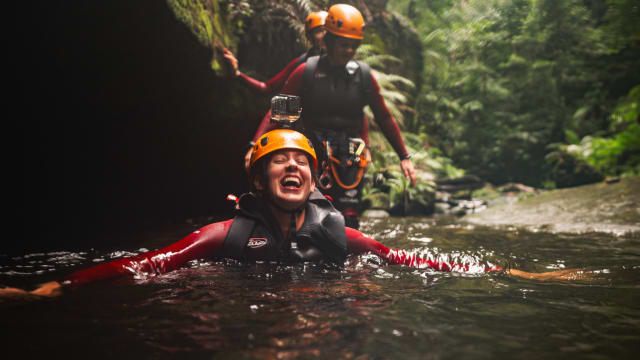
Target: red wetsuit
208,241
275,84
382,116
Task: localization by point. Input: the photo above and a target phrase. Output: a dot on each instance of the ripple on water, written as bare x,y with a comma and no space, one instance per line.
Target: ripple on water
364,310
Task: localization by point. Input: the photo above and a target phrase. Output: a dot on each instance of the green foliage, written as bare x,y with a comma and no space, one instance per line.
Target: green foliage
627,112
385,185
212,23
230,23
618,154
569,170
621,152
394,88
503,88
505,79
622,25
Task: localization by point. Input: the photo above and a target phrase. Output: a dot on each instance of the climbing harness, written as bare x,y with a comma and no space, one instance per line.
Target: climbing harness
343,157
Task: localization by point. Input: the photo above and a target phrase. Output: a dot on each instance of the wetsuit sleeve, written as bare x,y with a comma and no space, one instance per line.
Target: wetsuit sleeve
204,243
358,243
385,121
253,83
293,86
264,126
272,85
364,135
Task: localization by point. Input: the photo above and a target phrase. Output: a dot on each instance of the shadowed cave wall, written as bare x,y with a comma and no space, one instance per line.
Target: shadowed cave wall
125,126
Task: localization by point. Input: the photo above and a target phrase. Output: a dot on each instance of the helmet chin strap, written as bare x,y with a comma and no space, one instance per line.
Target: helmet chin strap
288,211
292,212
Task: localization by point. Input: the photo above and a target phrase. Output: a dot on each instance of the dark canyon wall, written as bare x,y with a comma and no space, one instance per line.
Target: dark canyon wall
125,126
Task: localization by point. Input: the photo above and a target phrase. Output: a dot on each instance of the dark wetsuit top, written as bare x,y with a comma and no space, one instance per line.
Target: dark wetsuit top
384,119
255,236
275,84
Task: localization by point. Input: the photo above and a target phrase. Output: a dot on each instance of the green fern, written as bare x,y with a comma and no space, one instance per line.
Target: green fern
393,87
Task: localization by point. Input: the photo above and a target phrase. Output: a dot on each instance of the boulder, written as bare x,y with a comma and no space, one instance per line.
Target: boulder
375,213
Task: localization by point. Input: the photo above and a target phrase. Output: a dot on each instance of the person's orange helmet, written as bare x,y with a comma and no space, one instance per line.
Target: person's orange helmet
314,20
346,21
281,139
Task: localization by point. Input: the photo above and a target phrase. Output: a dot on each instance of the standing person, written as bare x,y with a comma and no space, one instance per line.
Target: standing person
283,219
314,32
334,91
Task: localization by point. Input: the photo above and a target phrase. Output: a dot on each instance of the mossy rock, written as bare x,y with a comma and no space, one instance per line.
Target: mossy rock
569,171
378,200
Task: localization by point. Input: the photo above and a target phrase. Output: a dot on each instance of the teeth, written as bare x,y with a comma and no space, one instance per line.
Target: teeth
291,180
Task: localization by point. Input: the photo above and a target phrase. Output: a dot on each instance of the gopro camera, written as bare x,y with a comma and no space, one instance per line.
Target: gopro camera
285,110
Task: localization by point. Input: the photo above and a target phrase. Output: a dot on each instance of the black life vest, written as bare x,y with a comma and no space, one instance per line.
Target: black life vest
306,55
302,58
255,236
333,98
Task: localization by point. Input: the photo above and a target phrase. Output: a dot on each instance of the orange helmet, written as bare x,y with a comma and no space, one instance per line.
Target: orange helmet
281,139
314,20
346,21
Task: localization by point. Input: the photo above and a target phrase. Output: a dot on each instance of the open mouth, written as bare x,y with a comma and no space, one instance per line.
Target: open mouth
291,182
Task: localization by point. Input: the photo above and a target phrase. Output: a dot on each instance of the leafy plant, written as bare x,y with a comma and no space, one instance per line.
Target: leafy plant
393,87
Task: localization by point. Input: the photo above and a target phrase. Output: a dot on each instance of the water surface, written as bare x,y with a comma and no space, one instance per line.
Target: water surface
366,310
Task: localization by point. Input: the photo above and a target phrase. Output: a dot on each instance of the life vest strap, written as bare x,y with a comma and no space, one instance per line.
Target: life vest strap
236,240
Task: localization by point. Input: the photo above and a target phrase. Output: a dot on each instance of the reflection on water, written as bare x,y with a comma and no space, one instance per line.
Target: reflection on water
365,310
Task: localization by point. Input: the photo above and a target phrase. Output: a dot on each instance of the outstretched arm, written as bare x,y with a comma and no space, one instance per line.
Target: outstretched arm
270,86
359,243
49,289
203,243
568,274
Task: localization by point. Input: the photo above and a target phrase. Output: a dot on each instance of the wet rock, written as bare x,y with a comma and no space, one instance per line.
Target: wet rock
517,188
442,196
466,182
611,180
569,171
462,207
458,211
474,204
375,213
601,207
441,208
379,200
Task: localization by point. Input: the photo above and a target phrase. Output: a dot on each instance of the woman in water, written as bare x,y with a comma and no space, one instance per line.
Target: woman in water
282,219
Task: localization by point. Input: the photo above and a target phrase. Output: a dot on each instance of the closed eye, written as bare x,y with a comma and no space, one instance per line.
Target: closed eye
302,160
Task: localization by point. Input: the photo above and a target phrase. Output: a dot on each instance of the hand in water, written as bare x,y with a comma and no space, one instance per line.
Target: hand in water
569,274
50,289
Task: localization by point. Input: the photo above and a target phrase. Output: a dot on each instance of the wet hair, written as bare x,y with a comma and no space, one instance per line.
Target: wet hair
259,171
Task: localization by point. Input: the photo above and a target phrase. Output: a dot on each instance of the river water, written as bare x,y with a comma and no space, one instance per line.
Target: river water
366,310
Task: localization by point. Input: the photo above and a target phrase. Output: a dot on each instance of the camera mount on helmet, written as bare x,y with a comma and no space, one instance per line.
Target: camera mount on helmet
285,110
